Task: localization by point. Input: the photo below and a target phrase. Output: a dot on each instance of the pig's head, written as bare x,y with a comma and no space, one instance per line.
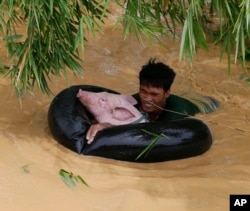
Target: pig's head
107,107
94,102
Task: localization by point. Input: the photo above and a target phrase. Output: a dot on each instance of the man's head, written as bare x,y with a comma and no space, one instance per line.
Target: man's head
155,83
158,75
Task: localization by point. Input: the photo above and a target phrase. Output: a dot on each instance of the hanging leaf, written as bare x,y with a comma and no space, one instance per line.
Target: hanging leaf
56,29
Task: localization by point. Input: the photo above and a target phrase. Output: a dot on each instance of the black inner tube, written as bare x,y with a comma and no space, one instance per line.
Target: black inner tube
69,122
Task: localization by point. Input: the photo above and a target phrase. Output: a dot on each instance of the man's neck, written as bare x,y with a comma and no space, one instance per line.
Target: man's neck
153,116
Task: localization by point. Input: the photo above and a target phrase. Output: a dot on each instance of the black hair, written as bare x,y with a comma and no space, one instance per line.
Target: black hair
157,74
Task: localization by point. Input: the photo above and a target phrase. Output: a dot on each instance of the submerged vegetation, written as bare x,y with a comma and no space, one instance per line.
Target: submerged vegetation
56,32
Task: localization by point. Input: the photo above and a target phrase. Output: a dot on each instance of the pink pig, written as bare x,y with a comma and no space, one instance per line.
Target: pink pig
116,109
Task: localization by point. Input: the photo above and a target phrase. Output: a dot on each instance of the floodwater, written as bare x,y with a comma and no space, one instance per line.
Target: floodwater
30,159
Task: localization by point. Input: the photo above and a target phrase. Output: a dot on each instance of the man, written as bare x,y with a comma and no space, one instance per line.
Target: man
155,83
156,80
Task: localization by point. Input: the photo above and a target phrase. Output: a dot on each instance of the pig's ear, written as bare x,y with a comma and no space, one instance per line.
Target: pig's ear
129,98
122,114
79,93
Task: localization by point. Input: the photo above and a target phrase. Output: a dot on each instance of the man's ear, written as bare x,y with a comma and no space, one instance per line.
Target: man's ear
167,93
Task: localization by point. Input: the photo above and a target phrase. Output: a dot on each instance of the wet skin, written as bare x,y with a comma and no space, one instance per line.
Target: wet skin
150,95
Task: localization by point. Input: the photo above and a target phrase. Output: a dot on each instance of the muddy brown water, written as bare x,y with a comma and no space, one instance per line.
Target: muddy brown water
198,183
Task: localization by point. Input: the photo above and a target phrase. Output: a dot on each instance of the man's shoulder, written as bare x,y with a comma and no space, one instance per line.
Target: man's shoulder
177,107
182,105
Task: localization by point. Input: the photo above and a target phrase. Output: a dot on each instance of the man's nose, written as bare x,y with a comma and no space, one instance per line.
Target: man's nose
147,97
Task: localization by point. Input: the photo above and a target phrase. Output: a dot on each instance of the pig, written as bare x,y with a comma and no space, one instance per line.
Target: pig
116,109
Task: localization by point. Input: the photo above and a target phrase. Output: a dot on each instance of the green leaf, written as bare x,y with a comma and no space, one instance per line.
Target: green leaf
199,34
152,144
12,38
70,179
25,168
147,149
82,180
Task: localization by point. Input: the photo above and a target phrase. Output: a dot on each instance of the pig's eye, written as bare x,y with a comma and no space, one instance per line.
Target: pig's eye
102,100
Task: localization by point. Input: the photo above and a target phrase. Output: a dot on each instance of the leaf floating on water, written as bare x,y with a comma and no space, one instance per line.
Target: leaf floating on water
25,168
82,180
70,179
67,178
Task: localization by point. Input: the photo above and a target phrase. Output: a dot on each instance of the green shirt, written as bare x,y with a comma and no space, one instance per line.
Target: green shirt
174,103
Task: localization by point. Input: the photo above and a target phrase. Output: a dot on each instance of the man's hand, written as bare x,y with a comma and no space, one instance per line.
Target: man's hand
94,129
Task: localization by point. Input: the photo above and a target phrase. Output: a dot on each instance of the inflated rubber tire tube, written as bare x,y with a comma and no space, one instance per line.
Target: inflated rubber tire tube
69,122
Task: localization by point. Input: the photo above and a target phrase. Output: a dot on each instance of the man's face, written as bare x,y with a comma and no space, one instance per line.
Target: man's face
154,95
